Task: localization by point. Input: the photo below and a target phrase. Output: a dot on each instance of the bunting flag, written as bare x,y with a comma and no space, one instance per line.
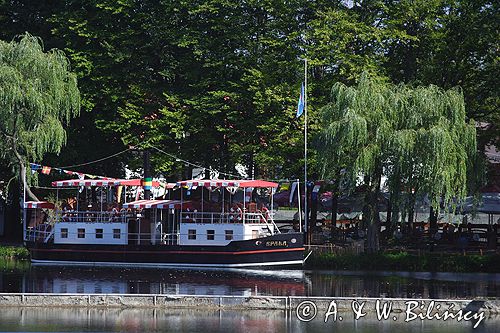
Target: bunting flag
284,186
46,170
35,167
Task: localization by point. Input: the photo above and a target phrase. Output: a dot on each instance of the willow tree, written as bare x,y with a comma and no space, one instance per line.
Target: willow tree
356,129
417,137
432,147
38,93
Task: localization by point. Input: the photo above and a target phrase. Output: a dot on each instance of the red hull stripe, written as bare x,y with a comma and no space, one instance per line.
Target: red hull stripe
172,252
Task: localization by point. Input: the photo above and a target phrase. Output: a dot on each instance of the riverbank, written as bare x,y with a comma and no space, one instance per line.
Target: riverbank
404,261
489,306
11,252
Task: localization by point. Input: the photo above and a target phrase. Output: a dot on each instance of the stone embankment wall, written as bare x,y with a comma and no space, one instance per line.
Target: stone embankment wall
491,306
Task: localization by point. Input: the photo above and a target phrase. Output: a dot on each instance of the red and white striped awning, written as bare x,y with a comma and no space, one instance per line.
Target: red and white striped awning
100,182
226,183
39,204
159,204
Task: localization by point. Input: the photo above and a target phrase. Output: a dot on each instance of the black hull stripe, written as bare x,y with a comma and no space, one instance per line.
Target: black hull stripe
171,265
170,252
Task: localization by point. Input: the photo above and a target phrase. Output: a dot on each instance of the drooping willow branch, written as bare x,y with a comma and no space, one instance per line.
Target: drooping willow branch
419,136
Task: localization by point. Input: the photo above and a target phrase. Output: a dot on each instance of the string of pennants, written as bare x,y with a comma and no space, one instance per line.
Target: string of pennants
47,170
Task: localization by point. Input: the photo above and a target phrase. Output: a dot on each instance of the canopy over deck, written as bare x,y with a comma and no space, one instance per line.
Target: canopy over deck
227,183
39,204
159,204
101,182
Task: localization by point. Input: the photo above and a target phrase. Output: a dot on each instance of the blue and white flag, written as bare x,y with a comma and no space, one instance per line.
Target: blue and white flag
300,105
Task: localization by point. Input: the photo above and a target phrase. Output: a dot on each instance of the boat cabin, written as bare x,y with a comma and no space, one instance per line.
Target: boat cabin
198,212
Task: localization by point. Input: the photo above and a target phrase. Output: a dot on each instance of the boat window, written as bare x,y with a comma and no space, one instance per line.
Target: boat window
98,233
229,234
64,232
210,234
116,233
81,233
191,234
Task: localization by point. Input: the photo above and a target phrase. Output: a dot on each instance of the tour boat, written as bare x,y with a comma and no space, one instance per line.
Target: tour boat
203,223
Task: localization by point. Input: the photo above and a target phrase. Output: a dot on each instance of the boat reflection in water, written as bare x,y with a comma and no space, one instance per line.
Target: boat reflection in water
240,282
245,282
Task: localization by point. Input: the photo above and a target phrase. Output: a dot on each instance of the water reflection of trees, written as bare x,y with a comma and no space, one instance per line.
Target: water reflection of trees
336,284
390,286
140,320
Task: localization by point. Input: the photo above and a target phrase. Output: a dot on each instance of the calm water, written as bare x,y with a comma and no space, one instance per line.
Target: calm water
21,277
151,320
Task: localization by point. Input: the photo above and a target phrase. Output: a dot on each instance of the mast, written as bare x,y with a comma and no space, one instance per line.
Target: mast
298,200
306,229
24,206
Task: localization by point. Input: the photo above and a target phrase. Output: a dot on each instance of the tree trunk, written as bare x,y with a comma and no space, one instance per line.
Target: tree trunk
314,212
433,215
411,213
13,226
373,223
394,219
389,213
388,225
371,215
333,212
22,168
251,166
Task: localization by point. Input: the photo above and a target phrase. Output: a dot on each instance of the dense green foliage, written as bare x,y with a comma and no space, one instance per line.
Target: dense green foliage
38,93
418,138
13,252
404,261
216,82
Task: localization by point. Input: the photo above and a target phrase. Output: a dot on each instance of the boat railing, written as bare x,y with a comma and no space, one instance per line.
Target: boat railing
231,217
46,235
40,235
91,216
175,238
218,217
170,239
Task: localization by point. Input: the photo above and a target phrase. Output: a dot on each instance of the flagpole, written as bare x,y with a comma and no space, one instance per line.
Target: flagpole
25,180
300,211
306,229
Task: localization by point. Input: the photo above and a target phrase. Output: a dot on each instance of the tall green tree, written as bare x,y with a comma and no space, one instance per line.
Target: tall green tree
231,65
38,95
450,43
159,72
419,138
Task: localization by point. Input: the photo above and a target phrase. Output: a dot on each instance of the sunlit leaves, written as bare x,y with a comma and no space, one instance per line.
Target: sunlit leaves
418,136
37,93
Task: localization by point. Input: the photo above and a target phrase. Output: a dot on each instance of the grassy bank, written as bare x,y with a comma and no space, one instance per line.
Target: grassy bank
14,253
403,261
